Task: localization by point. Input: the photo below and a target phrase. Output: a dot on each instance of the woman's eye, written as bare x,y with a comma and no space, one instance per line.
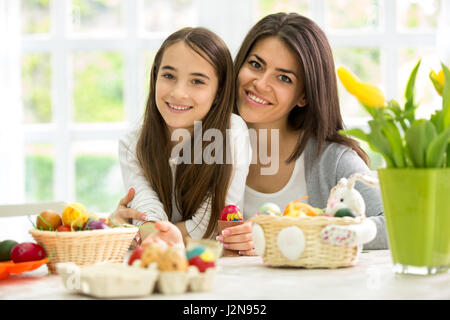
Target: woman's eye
254,64
285,78
197,81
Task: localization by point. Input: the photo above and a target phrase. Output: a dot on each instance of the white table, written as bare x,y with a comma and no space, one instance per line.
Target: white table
248,278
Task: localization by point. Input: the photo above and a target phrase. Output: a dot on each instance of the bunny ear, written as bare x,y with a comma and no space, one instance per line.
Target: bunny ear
363,177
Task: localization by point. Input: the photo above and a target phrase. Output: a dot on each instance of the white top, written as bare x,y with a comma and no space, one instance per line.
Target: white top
146,199
293,190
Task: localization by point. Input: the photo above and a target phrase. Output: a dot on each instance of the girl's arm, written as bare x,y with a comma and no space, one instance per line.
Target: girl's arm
145,199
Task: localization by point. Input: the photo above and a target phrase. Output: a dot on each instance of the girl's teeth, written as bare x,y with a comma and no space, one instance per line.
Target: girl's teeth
178,107
256,99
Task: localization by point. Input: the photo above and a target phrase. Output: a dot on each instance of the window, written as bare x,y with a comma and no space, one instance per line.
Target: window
81,71
380,41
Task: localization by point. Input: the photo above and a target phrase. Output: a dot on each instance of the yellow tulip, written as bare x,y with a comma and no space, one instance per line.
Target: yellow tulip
366,93
438,81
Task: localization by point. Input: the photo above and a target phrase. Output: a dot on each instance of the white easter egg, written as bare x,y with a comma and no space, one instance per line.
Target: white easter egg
291,242
259,241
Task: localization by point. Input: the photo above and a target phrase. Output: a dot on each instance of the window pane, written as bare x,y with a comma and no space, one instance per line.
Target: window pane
39,163
266,7
417,14
146,67
35,15
98,87
36,87
365,64
425,92
97,16
344,14
168,15
98,181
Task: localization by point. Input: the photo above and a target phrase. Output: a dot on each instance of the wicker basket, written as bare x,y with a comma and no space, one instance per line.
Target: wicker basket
85,247
316,254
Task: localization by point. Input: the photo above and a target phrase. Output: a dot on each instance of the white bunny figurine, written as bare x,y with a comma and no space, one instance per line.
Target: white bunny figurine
344,195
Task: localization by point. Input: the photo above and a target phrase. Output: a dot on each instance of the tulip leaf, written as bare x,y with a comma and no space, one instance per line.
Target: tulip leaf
418,137
437,148
409,94
380,143
436,119
395,141
446,98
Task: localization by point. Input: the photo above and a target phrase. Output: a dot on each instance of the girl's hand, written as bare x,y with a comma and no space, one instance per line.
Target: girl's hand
127,214
168,233
238,238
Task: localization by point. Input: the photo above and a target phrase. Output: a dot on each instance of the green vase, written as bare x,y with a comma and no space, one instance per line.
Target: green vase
417,211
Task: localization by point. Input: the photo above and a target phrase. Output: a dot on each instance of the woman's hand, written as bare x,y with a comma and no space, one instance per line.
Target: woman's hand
168,233
127,214
238,238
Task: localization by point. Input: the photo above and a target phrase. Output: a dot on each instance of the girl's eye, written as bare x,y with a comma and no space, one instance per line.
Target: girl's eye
285,78
254,64
168,76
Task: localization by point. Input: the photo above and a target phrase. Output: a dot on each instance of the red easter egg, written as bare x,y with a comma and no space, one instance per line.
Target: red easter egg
230,209
201,264
136,255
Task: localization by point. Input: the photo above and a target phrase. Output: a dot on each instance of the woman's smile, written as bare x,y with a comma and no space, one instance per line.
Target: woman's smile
256,100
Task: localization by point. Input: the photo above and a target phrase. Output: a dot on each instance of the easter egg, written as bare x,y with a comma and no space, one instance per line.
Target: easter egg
48,220
345,212
269,208
299,209
201,264
136,254
75,215
231,213
27,251
5,249
195,252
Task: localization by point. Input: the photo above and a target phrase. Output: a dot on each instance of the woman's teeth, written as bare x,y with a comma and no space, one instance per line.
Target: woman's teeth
256,99
179,107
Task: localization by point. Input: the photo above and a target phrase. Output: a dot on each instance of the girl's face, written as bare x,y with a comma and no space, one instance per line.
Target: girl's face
186,86
270,84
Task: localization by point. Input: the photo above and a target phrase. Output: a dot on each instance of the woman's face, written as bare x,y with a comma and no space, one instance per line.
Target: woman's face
186,86
270,84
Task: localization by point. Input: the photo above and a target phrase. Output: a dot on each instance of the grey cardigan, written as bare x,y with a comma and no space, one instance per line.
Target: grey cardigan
335,162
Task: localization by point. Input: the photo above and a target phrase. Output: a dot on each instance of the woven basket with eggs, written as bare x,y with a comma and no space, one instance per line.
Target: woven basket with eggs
296,237
85,246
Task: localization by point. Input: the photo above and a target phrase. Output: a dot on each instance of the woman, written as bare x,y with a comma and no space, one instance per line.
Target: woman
286,85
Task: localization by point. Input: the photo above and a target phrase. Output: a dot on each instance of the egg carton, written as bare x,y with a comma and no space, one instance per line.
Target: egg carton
116,280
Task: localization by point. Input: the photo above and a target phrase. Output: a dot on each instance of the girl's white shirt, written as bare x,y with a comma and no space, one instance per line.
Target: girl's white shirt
146,199
293,190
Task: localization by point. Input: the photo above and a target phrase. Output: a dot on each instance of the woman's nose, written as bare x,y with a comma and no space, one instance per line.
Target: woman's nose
261,83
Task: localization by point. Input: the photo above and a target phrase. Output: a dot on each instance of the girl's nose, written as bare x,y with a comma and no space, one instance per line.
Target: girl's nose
179,91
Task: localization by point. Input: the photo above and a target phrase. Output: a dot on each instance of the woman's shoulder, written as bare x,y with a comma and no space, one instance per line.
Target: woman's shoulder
334,155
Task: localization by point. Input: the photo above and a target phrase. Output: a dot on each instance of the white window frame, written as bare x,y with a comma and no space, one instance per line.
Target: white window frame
230,19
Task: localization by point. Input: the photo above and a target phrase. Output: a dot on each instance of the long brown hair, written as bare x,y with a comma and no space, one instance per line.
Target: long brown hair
321,117
194,183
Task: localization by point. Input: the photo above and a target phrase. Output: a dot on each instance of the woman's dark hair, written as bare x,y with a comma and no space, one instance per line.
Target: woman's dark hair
194,183
321,117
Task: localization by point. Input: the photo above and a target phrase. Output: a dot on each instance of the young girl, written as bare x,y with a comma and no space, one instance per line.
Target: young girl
191,80
285,80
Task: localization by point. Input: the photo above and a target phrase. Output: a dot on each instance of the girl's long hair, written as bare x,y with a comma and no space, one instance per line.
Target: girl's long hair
321,117
196,185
